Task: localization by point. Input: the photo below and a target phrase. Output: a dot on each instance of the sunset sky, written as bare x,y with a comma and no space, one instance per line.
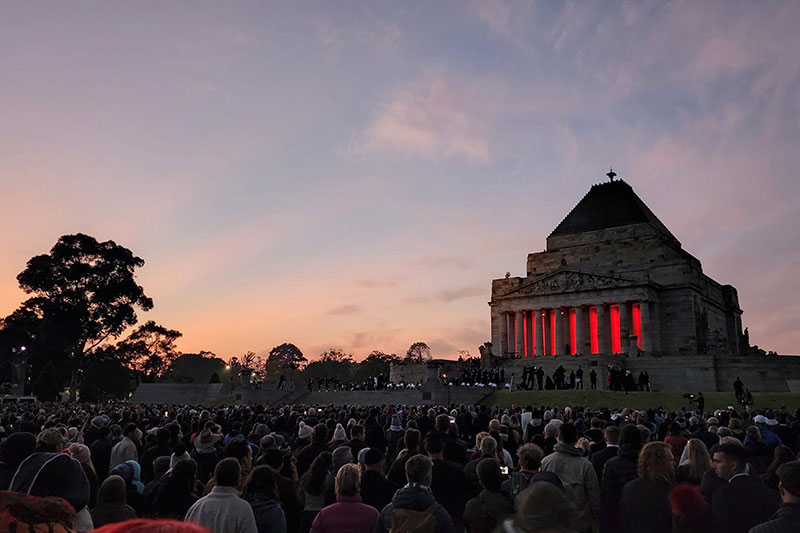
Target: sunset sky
354,174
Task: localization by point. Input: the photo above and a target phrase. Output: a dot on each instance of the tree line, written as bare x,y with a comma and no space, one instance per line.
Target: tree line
78,328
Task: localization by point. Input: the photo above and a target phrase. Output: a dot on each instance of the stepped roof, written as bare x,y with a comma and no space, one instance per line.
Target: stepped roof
611,204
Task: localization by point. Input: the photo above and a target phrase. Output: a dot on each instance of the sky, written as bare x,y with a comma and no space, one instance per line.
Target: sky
354,174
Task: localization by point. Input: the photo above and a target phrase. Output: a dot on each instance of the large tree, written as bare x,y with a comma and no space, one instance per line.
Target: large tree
88,290
375,364
281,358
419,352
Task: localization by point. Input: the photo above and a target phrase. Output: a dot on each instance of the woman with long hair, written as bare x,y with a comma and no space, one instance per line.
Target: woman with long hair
698,462
782,454
261,493
311,490
645,500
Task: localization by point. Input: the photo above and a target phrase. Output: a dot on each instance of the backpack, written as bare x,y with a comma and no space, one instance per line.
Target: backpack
408,521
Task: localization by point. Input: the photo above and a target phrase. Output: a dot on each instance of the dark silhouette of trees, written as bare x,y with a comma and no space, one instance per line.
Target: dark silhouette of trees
336,355
375,364
281,358
149,350
418,352
83,293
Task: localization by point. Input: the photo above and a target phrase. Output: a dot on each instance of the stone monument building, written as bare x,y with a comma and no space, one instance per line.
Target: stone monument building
614,286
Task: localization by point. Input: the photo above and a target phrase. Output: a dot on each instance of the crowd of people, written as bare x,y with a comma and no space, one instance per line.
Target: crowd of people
395,468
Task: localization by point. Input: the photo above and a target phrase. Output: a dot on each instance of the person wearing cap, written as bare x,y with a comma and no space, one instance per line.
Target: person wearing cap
575,471
743,501
767,437
376,490
787,518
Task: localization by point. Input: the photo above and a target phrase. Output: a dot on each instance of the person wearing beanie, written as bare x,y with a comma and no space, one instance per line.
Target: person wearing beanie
339,438
56,474
50,440
617,472
492,505
15,449
111,506
81,453
376,490
394,434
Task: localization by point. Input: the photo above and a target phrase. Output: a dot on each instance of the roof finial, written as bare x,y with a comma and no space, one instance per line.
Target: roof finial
611,174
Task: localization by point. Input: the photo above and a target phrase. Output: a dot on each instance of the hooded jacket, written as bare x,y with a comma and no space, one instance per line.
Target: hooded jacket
111,506
483,513
415,498
577,474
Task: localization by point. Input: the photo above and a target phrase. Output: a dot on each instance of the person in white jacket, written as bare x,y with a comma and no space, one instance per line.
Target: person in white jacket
223,511
126,449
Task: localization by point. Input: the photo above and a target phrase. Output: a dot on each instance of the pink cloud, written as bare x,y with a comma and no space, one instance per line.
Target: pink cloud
436,117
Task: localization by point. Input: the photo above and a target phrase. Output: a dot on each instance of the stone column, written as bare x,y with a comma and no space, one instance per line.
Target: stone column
529,331
546,332
580,343
559,314
655,327
624,327
509,347
538,333
603,329
519,332
644,327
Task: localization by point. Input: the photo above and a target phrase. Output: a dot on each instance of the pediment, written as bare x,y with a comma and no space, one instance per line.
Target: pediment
563,281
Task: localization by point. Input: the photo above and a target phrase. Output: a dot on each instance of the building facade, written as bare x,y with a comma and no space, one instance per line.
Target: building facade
614,281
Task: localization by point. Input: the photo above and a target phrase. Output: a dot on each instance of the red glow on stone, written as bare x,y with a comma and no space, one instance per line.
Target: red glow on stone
637,324
525,334
553,333
593,333
573,331
616,345
544,333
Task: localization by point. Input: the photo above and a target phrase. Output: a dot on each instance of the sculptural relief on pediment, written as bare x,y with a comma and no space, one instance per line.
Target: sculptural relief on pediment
568,281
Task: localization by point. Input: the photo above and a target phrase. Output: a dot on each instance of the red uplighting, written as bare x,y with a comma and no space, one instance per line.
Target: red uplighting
544,333
573,331
616,345
636,313
593,333
525,334
553,333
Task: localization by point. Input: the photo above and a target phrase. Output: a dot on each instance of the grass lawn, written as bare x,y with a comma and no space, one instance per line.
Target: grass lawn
637,400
